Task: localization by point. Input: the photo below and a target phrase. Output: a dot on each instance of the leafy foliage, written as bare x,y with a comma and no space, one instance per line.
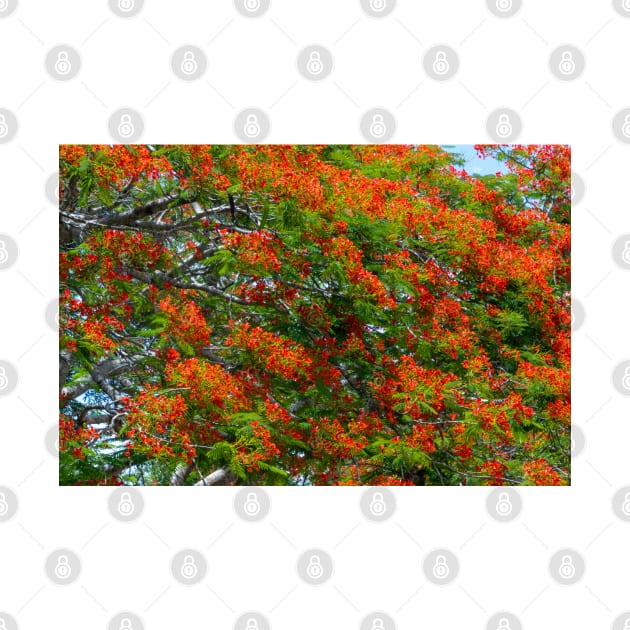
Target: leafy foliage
320,315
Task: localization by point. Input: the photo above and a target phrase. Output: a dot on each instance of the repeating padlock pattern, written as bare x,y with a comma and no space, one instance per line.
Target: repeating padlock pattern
121,72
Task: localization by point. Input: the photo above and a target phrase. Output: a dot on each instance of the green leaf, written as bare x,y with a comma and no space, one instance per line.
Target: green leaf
105,195
276,474
223,262
159,321
290,214
221,454
245,417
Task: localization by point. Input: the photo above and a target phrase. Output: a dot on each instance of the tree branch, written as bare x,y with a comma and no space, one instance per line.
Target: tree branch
181,473
216,478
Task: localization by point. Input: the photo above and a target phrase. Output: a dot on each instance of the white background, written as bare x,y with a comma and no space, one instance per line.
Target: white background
252,62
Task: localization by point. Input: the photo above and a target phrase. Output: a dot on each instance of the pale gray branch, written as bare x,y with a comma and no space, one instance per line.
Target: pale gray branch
181,473
215,478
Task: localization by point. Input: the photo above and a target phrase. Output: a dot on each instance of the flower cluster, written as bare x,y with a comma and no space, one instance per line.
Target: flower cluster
539,473
74,439
270,352
395,321
186,322
342,248
209,387
256,249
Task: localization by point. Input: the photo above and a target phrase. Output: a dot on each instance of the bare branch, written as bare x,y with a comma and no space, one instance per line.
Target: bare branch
181,473
216,478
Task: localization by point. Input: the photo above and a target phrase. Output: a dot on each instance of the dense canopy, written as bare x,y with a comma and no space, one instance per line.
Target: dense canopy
317,315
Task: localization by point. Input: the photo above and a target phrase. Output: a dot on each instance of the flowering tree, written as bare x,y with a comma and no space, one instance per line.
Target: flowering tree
329,315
